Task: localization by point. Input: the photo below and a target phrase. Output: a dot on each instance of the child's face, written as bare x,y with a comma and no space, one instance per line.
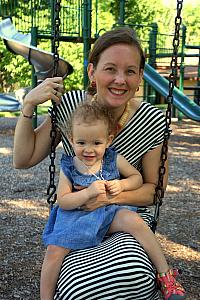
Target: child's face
90,141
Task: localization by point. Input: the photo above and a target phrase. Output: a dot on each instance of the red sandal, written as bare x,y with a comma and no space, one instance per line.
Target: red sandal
170,288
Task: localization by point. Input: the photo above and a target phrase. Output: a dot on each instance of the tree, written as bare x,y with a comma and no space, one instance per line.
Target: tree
192,22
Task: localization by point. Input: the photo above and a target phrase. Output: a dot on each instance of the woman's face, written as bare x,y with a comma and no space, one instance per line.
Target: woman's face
117,74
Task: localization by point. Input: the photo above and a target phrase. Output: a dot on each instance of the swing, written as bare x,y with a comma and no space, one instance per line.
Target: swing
97,283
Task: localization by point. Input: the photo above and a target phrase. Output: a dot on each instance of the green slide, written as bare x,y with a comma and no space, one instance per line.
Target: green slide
188,107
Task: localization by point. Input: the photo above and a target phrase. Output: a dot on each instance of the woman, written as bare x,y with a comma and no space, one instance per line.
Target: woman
118,268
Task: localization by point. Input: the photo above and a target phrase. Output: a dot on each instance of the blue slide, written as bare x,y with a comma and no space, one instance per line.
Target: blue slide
8,103
188,107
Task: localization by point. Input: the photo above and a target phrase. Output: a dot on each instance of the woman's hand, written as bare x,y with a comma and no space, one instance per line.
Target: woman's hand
50,88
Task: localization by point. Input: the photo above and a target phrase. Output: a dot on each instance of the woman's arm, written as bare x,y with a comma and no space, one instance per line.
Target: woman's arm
143,196
31,146
70,200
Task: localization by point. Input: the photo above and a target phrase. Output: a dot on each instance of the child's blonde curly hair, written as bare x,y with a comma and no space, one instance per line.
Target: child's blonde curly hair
89,112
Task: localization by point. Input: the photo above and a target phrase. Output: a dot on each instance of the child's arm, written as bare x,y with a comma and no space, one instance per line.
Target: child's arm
132,181
70,200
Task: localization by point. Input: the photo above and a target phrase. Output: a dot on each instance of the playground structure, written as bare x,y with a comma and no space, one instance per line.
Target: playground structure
79,24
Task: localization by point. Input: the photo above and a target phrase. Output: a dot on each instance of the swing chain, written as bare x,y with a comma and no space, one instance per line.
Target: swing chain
159,191
53,133
56,36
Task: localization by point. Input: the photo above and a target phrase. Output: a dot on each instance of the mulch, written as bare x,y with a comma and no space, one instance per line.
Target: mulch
23,213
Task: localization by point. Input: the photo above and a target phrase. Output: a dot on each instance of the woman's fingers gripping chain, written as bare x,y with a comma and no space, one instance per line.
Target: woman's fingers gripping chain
52,89
57,89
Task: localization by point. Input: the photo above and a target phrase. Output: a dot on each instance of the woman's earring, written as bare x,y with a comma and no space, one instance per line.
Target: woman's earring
93,84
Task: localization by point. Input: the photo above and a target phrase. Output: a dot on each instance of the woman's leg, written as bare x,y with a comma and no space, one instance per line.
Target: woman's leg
118,268
50,270
131,222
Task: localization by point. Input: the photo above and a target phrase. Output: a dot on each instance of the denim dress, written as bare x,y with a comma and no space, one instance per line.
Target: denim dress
79,229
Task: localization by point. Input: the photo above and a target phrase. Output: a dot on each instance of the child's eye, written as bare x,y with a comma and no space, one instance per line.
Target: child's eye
80,143
98,143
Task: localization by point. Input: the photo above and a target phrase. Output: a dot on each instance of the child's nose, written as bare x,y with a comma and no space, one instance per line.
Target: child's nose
88,148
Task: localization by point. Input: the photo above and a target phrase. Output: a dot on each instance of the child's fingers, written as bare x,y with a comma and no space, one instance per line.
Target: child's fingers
113,193
114,190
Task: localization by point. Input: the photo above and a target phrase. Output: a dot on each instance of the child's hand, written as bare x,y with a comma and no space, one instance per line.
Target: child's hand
114,187
97,188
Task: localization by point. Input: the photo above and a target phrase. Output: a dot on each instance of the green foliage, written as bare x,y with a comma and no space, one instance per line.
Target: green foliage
15,72
105,18
137,12
192,21
73,53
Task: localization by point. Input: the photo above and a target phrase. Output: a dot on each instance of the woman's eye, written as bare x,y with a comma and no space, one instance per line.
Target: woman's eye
110,69
98,143
131,72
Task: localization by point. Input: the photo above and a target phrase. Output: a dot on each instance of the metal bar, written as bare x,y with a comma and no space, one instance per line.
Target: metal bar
34,77
192,47
86,37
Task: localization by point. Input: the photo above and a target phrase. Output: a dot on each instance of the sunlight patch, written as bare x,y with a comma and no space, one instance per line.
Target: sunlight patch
177,250
29,208
5,151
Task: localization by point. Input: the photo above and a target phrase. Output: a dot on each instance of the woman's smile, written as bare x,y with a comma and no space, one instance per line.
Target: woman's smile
117,91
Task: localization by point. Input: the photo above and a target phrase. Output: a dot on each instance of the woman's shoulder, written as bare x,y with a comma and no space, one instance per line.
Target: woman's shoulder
78,93
147,113
69,102
71,99
150,107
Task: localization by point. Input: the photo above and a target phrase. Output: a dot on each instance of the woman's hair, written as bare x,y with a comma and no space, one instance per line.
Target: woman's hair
118,35
89,112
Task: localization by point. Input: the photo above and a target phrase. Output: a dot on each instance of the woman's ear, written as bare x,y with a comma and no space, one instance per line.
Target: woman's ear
141,75
90,70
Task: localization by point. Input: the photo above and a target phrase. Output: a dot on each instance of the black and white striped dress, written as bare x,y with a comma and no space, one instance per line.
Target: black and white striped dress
118,268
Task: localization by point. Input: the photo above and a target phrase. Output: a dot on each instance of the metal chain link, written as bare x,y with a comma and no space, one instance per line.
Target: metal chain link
159,192
51,199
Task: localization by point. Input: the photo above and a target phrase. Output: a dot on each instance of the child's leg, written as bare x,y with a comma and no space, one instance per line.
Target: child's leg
50,270
131,222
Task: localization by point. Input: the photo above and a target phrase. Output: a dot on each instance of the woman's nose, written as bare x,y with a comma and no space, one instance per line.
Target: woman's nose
120,78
